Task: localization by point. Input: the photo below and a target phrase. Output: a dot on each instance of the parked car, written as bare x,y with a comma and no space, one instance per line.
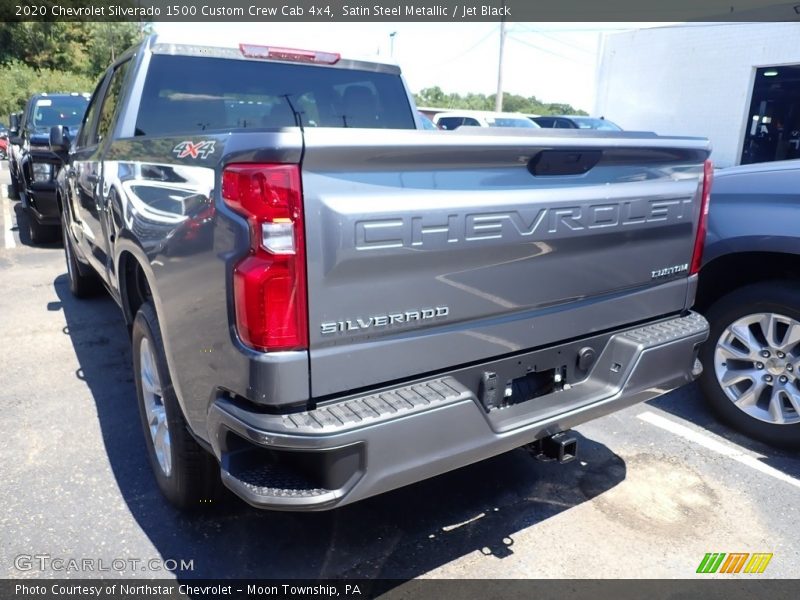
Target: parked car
481,118
3,143
575,122
750,292
324,313
35,165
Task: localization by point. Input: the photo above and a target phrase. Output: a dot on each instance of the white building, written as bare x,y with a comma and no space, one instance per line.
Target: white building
736,84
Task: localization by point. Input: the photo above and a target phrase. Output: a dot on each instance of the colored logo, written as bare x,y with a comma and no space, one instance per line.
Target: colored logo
734,562
194,149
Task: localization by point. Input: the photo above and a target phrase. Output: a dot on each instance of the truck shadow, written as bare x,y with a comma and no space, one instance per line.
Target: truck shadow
24,234
398,535
691,406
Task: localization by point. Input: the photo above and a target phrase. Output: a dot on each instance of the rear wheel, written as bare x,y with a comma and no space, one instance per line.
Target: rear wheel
41,234
752,361
185,472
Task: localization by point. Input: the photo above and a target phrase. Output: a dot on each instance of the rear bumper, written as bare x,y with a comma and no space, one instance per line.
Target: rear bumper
363,445
42,204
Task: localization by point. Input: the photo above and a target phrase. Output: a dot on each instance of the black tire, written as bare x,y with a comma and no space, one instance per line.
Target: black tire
779,297
193,480
83,282
41,234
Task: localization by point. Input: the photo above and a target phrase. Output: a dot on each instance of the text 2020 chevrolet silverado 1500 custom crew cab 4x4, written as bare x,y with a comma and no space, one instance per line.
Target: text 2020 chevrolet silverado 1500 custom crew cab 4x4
336,304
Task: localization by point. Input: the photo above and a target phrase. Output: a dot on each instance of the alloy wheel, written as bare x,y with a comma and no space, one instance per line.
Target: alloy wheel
155,410
756,361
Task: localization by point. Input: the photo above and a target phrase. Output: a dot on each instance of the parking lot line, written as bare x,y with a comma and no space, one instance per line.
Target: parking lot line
8,234
710,443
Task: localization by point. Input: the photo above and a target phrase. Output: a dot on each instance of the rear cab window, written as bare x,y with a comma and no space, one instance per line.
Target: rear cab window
185,94
456,122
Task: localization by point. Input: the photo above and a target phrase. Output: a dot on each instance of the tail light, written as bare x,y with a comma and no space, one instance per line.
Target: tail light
270,283
289,54
702,226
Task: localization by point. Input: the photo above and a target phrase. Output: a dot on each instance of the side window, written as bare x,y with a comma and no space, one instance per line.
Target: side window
87,136
564,124
111,101
469,121
451,122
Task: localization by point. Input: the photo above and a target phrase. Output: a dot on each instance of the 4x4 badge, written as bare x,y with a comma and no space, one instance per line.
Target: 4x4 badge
194,150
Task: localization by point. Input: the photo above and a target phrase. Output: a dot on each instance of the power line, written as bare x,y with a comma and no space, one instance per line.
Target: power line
554,38
564,56
468,50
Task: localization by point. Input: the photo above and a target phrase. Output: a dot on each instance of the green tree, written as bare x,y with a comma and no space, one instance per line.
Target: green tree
434,97
107,41
74,47
18,82
57,57
43,45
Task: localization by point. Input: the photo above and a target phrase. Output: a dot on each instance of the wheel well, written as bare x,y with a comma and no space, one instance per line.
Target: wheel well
727,273
134,287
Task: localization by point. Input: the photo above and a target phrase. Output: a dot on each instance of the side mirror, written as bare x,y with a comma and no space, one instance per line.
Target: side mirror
14,139
59,140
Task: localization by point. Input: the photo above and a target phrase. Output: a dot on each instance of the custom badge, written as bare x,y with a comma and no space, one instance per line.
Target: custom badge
189,149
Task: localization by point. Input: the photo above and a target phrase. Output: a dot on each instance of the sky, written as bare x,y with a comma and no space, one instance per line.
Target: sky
556,62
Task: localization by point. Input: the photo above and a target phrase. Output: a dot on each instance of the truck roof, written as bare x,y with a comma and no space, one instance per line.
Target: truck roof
60,95
766,167
457,112
230,46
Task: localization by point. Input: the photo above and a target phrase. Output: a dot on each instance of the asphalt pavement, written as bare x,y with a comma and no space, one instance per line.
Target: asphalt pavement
654,489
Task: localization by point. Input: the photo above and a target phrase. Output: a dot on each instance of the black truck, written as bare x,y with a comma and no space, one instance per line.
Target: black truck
34,166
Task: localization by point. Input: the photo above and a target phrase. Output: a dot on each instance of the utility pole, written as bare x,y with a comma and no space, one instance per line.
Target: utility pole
498,99
391,43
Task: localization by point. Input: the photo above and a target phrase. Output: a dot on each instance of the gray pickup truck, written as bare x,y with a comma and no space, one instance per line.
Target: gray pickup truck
750,291
326,302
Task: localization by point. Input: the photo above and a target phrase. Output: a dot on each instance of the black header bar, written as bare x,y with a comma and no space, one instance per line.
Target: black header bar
334,11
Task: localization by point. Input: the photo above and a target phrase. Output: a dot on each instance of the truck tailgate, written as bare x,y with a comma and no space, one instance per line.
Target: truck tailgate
428,250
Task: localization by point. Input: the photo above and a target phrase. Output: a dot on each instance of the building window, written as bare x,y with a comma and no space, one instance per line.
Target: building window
773,122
